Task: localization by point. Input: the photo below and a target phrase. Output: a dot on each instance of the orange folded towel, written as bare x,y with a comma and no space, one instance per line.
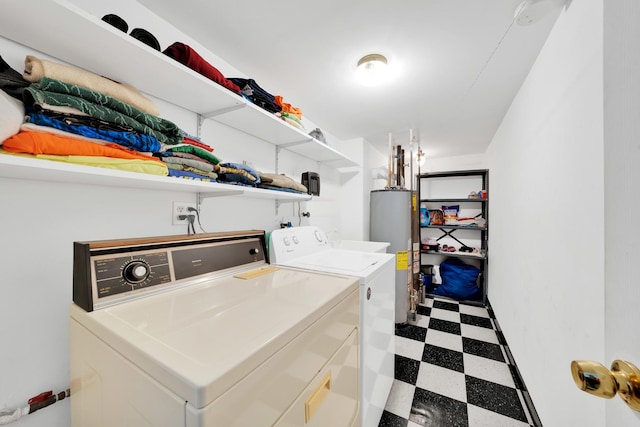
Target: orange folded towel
44,143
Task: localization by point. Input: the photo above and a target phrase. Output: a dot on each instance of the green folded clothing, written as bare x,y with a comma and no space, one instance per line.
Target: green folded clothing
101,106
200,152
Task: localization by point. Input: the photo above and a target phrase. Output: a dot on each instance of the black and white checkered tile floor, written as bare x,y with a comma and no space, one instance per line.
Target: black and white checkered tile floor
453,368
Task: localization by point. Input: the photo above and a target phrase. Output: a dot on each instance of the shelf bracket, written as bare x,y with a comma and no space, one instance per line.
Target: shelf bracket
293,144
199,125
277,163
201,196
212,114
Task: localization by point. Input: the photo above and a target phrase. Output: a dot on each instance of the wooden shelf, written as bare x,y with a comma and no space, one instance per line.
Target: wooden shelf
261,124
282,196
26,168
321,152
64,31
89,43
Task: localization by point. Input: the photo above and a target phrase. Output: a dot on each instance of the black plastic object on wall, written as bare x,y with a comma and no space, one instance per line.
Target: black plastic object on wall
311,180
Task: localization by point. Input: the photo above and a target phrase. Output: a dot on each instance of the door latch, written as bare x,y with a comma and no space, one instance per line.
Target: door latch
623,379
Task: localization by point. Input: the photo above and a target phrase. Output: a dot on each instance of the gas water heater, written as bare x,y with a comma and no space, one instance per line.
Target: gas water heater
390,221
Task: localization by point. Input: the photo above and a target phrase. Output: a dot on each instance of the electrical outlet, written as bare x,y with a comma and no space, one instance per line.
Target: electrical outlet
181,208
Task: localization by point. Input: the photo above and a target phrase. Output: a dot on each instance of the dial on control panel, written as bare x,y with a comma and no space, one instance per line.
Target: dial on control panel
136,271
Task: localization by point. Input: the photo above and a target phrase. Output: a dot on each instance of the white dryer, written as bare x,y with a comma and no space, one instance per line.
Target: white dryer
308,248
199,331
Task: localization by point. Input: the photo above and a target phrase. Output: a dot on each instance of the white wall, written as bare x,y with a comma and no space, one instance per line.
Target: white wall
46,218
442,164
357,183
373,161
353,195
547,202
622,181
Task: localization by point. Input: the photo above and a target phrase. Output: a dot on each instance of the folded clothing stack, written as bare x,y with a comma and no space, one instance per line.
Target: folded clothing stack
237,173
71,115
254,93
191,161
36,69
281,182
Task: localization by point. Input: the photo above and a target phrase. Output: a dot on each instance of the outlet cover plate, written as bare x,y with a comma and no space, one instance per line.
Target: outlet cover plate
181,208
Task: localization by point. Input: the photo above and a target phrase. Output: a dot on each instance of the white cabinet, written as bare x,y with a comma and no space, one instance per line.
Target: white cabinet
64,31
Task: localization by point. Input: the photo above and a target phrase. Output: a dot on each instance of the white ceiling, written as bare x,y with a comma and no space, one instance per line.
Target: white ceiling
458,63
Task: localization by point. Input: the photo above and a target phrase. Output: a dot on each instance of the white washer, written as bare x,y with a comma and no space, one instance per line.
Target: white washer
362,246
199,331
309,248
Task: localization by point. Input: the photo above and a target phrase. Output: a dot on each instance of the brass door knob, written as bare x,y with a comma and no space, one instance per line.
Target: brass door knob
623,379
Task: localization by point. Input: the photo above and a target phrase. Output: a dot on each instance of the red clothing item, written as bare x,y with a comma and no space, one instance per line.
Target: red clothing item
32,142
190,141
189,57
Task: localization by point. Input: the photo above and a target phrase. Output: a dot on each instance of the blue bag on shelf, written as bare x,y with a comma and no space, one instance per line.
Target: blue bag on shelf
458,280
424,216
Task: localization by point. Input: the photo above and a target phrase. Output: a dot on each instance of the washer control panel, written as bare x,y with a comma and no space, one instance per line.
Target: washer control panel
293,242
109,272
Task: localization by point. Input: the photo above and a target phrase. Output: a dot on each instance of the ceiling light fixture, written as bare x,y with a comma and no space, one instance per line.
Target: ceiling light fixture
372,69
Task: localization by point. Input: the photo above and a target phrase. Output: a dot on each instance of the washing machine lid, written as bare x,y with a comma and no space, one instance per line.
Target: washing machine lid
199,340
363,265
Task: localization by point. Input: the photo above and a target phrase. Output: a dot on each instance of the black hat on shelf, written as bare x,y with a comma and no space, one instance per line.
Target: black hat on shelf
145,37
116,21
138,33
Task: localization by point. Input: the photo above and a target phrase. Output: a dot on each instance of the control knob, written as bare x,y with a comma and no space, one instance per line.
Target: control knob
254,251
136,271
